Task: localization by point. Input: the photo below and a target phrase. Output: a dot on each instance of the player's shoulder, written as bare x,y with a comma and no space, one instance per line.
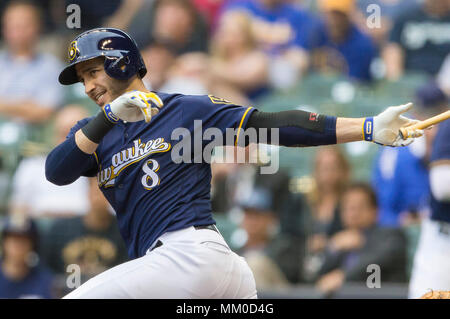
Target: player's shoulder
167,97
192,100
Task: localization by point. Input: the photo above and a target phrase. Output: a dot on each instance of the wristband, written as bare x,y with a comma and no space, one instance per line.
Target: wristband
109,114
368,129
98,127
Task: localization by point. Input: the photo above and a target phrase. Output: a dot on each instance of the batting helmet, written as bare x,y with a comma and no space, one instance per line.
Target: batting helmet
122,57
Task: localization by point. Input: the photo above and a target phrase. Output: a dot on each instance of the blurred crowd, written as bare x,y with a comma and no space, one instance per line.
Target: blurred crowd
241,50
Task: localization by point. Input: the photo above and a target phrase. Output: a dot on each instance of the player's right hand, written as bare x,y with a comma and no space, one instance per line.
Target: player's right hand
133,106
386,126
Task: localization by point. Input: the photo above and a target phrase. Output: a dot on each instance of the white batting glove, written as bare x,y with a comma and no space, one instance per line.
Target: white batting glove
384,128
133,106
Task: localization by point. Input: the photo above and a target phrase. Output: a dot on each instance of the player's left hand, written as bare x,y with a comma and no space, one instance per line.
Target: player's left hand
387,124
134,106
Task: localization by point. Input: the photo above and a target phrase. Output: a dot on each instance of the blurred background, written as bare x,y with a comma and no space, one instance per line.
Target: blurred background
310,230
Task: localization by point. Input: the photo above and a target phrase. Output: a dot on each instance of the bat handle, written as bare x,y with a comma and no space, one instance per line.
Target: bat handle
404,133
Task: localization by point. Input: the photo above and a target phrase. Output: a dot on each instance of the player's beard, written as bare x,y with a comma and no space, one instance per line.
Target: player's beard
101,97
106,94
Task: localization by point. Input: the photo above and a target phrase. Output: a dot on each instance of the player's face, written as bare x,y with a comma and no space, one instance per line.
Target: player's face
100,87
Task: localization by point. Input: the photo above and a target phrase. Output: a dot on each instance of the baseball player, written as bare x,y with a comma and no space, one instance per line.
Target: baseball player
163,204
432,259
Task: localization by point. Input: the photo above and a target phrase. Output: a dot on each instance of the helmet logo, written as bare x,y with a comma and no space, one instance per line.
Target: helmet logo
73,51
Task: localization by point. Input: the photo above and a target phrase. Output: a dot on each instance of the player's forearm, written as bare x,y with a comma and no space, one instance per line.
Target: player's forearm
73,158
66,163
294,128
88,137
84,143
349,129
300,128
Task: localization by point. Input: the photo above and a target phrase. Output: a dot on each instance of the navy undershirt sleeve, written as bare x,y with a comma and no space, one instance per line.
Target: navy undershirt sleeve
296,127
66,162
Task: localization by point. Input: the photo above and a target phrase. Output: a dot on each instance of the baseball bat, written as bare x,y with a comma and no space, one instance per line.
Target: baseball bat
405,132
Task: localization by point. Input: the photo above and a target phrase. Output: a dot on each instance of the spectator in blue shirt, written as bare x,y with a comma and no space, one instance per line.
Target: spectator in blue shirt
21,275
419,39
400,175
376,17
344,47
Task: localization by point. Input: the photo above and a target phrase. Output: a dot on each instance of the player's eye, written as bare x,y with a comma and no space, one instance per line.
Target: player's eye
92,73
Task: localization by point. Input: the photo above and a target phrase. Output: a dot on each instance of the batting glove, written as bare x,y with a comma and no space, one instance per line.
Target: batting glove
384,128
133,106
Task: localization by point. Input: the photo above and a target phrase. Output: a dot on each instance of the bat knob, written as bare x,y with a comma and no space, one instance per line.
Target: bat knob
404,133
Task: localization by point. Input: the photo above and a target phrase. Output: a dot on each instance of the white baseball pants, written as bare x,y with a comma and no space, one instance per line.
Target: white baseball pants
431,268
191,263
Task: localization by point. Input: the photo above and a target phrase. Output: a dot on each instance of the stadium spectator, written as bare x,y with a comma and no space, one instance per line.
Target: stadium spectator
260,223
431,261
178,22
92,241
123,15
331,176
233,182
344,47
361,243
159,57
286,32
114,13
239,72
33,195
419,39
46,8
210,9
28,90
173,73
376,17
400,175
21,273
188,74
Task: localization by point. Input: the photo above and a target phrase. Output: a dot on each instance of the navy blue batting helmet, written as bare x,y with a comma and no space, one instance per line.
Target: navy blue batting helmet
122,57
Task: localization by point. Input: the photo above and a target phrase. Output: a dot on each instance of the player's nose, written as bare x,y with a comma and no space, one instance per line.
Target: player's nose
89,87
